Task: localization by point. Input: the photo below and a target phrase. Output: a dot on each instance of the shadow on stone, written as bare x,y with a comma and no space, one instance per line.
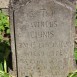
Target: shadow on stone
9,62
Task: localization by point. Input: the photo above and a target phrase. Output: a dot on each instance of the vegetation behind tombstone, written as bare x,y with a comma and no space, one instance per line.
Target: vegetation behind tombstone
4,44
74,74
75,49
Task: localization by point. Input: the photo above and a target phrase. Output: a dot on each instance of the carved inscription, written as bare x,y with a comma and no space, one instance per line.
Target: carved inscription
39,24
39,43
43,39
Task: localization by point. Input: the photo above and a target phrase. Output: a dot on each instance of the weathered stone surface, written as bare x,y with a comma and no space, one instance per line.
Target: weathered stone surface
4,3
44,37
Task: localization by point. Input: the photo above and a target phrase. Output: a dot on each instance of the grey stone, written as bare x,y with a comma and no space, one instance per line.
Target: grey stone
4,3
42,37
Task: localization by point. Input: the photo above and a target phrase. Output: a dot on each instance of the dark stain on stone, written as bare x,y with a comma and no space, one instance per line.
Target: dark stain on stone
21,1
25,1
26,76
15,1
72,0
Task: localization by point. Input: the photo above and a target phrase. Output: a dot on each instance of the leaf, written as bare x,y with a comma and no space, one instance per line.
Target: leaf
0,32
0,22
1,37
1,57
69,74
7,25
1,66
8,31
2,27
74,74
75,53
76,22
7,53
3,74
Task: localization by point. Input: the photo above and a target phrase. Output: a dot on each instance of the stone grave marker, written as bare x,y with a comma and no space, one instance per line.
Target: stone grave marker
42,35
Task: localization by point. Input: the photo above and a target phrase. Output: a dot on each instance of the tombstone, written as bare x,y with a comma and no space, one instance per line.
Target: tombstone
42,37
